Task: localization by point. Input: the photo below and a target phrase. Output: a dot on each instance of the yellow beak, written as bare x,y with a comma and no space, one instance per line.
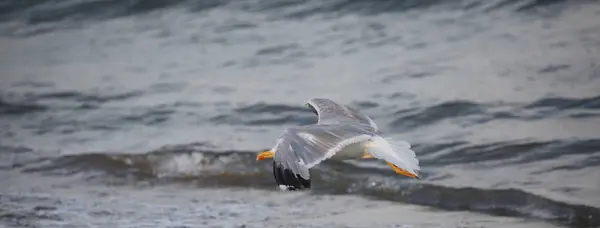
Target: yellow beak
265,155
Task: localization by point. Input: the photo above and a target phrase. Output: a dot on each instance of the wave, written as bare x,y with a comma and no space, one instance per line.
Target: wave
87,98
64,104
13,103
478,113
266,114
68,112
502,202
564,103
413,118
30,18
9,108
44,11
213,168
509,152
403,120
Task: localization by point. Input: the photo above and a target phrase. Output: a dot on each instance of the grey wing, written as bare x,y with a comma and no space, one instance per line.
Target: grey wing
330,112
301,148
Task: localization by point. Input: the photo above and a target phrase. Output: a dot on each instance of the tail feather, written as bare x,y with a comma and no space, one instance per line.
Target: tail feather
397,152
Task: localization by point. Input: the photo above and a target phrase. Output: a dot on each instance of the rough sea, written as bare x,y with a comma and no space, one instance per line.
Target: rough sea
149,113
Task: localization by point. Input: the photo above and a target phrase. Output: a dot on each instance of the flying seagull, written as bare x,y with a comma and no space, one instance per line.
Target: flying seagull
341,133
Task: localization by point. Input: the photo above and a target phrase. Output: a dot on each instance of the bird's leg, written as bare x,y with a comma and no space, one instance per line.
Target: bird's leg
396,169
401,171
265,155
366,154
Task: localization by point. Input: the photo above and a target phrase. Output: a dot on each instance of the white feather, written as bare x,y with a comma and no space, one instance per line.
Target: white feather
396,152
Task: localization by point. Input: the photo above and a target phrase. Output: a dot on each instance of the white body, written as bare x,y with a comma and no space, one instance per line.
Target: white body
352,151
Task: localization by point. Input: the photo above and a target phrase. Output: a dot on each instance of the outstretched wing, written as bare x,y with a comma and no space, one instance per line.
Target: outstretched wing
298,149
330,112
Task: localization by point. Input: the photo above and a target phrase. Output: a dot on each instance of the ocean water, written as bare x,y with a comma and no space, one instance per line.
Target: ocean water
150,113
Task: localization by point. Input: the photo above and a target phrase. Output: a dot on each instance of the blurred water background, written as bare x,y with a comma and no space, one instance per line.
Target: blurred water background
149,113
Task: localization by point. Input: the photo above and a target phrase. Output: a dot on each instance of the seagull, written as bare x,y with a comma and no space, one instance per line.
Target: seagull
341,133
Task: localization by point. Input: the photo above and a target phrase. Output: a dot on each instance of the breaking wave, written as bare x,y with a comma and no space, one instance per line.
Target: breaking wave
210,168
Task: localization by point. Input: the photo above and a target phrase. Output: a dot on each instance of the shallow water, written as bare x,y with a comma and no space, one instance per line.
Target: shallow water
149,113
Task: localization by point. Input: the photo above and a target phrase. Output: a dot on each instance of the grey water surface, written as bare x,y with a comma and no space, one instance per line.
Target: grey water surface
149,113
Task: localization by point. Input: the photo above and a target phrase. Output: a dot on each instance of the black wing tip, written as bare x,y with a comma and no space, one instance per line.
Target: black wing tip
288,180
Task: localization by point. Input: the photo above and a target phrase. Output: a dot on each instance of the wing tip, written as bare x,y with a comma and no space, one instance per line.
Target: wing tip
286,179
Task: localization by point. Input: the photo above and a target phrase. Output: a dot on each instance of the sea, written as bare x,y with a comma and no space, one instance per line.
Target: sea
150,113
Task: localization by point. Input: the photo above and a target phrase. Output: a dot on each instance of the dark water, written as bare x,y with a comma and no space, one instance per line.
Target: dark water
149,113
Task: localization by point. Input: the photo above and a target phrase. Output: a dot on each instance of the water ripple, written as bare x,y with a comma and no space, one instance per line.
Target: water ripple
239,168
